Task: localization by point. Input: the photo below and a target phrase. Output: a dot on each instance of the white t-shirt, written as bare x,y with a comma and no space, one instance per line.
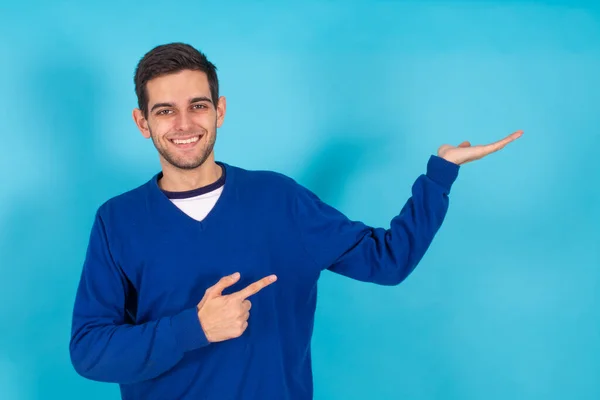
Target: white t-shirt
198,207
197,203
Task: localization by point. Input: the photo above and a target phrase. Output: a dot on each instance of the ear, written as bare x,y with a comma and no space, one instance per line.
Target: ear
221,108
141,122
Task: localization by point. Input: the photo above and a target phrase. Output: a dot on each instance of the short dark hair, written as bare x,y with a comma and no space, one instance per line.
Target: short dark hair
172,58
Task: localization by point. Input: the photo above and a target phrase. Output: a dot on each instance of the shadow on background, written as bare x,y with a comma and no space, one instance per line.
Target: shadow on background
340,159
49,231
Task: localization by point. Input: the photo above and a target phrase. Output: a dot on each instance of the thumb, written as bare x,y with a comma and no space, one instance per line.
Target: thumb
465,144
217,289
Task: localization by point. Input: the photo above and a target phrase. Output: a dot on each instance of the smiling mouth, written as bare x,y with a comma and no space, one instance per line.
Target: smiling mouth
190,140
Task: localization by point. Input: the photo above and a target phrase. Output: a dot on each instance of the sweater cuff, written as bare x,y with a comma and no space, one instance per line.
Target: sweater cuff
442,171
189,334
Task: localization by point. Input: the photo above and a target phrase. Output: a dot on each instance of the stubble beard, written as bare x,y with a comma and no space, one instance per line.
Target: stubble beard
186,164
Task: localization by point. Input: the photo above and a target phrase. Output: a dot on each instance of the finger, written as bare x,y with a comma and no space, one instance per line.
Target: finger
443,148
246,305
239,329
492,147
255,287
223,283
465,144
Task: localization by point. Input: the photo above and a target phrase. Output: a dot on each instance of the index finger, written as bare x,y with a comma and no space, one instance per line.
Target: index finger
255,287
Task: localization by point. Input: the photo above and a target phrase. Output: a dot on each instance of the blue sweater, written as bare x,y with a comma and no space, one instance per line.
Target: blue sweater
148,265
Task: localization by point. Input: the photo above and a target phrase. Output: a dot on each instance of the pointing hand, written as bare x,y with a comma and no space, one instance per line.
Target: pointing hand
224,317
465,153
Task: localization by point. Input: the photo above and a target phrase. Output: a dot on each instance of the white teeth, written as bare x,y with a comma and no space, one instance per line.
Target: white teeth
191,140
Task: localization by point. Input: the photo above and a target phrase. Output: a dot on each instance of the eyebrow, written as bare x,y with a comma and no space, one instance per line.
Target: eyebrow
192,101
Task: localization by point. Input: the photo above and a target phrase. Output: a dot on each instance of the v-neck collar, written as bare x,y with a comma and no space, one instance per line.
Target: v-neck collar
186,194
163,207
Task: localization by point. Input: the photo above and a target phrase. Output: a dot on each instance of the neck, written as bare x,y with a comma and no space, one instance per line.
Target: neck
178,180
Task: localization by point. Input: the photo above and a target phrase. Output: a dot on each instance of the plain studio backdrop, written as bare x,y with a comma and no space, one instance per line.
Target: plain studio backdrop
349,98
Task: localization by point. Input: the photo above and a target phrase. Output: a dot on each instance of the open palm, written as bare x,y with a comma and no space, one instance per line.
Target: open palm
464,152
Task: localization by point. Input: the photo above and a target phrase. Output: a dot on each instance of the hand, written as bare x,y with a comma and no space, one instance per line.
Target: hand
224,317
465,153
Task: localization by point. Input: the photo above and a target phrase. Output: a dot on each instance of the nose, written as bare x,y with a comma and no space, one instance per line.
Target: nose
183,122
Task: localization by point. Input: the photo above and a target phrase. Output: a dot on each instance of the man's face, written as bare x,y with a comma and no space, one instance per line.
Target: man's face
182,119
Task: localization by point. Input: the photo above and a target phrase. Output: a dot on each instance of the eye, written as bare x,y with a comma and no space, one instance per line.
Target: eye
199,106
163,112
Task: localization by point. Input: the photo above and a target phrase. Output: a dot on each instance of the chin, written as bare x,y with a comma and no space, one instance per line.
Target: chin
186,163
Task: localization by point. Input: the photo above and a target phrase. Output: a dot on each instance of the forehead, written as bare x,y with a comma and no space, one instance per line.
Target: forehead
179,86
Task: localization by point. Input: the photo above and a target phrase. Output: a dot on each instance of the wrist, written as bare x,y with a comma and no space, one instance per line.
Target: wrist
205,330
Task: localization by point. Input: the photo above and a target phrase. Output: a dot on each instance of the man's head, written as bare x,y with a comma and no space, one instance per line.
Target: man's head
179,104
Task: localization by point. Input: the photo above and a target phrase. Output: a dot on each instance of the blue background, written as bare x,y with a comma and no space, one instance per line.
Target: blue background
350,99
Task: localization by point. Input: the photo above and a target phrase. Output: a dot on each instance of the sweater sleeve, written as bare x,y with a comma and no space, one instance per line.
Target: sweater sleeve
377,255
104,345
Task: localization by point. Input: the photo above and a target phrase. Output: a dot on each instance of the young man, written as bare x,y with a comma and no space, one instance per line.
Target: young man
201,283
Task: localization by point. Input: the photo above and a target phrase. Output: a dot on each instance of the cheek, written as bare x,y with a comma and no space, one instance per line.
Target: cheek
206,121
161,129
